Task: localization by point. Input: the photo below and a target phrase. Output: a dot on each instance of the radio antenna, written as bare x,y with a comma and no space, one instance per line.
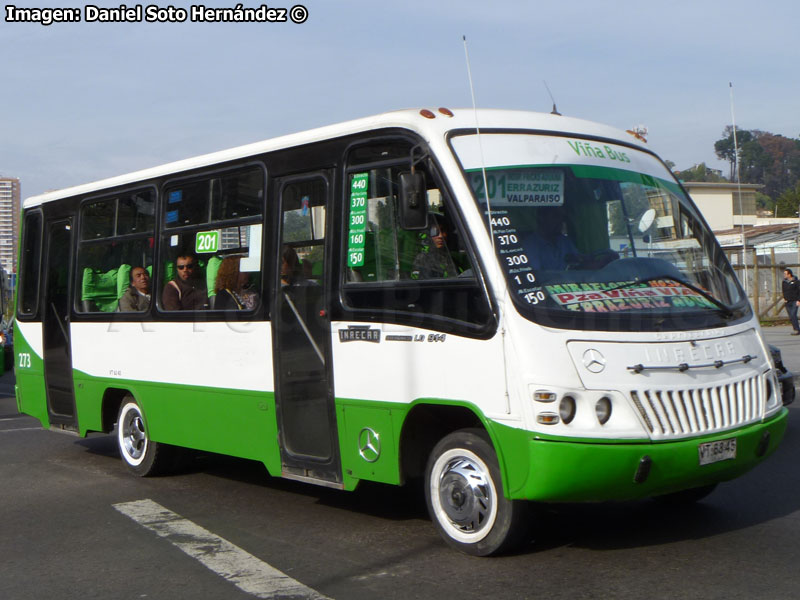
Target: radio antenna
555,110
480,145
489,216
739,190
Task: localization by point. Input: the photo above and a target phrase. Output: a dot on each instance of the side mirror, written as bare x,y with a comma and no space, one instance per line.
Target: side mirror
413,209
647,220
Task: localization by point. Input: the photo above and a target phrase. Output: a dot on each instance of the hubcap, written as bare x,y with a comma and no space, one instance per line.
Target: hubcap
133,437
465,494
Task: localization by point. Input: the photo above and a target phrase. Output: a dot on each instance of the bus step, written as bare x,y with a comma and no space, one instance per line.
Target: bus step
64,428
304,476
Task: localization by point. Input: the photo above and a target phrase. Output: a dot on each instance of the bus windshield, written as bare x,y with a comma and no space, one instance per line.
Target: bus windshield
597,235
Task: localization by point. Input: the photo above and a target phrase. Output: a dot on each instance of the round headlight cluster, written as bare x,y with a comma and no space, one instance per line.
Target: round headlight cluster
568,408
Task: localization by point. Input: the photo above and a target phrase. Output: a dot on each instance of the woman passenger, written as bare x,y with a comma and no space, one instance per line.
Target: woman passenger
228,285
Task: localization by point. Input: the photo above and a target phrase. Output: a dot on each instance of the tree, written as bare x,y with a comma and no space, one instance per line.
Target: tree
764,202
754,160
766,158
698,173
789,202
782,163
725,148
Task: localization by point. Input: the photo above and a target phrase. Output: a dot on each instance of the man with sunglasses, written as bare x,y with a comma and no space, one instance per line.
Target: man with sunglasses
187,290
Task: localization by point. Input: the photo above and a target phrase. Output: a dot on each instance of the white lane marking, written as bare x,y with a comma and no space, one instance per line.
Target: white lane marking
244,570
21,429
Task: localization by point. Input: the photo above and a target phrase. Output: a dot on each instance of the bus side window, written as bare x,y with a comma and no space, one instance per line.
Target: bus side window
431,269
210,252
116,236
30,263
380,250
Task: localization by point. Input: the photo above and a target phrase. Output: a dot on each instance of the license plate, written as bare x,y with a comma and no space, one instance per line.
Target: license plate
712,452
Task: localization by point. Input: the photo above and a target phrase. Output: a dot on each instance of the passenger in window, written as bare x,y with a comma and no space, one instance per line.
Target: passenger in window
434,260
228,285
137,296
187,291
290,267
247,292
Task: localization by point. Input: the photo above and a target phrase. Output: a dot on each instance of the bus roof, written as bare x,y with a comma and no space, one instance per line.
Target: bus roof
436,124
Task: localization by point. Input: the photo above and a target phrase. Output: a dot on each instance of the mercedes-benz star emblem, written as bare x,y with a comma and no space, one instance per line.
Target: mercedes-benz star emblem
369,444
594,361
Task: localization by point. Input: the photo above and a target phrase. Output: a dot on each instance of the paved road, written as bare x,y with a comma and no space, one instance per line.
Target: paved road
780,336
66,507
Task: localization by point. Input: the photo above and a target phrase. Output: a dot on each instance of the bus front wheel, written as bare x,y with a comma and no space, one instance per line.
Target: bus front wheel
141,455
464,493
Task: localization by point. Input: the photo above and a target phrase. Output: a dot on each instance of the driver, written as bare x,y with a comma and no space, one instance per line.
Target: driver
547,247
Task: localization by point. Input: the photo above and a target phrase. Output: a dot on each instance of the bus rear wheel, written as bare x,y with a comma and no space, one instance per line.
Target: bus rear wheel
464,493
141,455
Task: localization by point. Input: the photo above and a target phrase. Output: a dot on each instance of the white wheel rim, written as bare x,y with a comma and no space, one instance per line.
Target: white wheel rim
132,435
463,495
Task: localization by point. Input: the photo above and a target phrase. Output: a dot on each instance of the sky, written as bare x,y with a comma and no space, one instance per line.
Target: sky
84,101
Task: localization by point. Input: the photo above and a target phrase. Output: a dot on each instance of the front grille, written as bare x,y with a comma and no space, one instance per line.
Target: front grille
674,413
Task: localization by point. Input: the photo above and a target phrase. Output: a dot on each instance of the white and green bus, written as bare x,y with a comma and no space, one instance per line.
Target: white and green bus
510,306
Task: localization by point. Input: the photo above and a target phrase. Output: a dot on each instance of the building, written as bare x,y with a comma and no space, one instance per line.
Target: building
720,203
9,222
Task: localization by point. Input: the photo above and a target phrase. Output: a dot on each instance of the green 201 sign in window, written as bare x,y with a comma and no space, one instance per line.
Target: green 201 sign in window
206,242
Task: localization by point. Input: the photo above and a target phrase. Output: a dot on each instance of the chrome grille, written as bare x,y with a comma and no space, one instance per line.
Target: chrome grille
673,413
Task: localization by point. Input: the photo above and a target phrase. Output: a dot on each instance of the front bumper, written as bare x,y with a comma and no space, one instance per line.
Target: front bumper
566,471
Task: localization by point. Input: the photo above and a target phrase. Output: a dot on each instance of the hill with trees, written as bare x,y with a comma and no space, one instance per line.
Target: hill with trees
766,158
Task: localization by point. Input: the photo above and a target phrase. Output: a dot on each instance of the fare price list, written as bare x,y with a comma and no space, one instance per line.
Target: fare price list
357,223
514,259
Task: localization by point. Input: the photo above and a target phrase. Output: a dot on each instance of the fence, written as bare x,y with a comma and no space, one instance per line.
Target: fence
762,279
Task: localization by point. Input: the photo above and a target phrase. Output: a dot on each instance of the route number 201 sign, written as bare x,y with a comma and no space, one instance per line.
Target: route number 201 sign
207,242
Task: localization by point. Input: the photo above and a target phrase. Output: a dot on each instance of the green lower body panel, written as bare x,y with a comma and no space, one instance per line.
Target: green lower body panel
31,396
226,421
564,471
369,435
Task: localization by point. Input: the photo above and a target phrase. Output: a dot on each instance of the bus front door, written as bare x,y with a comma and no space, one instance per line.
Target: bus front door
301,334
55,326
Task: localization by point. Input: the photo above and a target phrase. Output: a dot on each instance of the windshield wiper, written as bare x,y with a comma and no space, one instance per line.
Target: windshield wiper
727,311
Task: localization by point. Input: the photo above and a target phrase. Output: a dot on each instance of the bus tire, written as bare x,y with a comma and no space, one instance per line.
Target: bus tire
464,494
141,455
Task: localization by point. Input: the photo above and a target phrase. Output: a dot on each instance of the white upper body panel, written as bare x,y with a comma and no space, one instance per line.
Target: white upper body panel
431,129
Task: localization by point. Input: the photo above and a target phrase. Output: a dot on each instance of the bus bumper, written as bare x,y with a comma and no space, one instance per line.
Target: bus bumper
564,471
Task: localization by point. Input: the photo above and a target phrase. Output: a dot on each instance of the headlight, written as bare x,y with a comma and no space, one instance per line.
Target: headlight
566,409
603,410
